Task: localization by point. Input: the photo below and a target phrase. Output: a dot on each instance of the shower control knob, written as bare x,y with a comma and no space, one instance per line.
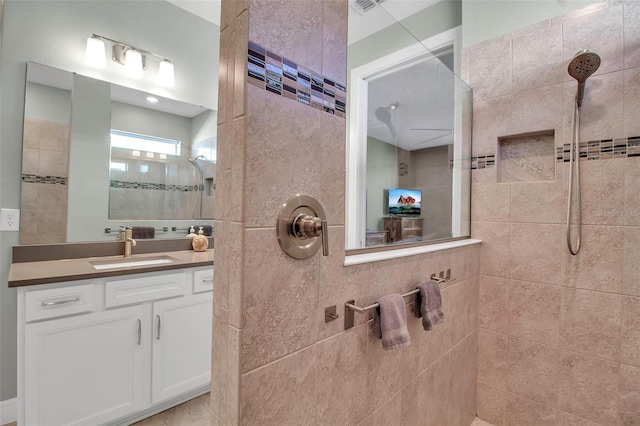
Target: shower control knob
301,227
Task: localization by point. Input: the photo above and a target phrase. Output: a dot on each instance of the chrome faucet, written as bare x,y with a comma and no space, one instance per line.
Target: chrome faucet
128,242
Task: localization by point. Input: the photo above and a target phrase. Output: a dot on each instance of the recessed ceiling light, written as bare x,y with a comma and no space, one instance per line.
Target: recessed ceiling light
152,99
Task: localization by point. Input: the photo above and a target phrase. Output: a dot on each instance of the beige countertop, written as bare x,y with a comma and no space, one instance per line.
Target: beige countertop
54,271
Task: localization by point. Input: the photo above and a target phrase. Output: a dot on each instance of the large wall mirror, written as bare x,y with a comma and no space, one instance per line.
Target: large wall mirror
409,127
103,149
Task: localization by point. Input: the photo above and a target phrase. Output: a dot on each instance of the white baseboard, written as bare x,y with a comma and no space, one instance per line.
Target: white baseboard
8,411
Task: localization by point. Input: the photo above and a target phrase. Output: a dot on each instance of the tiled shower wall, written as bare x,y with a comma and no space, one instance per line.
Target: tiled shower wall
45,171
559,341
275,360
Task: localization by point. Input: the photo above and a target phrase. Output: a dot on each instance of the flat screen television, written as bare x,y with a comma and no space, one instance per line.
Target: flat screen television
404,202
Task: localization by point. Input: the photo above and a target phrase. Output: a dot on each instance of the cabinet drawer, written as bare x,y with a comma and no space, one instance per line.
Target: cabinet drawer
56,302
203,281
137,290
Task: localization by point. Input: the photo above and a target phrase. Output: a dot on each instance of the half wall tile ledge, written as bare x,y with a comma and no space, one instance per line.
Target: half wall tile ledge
357,259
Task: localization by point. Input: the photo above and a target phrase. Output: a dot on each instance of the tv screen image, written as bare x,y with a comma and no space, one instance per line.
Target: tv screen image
404,202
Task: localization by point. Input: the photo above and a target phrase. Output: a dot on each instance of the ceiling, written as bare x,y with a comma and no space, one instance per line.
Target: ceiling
382,16
54,77
424,93
206,9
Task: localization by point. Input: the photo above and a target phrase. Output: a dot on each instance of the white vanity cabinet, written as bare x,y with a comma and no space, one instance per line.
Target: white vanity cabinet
112,350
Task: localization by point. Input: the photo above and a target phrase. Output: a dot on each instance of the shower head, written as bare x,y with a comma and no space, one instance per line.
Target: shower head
194,161
581,67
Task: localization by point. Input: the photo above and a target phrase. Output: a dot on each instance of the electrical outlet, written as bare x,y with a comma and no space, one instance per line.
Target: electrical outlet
9,220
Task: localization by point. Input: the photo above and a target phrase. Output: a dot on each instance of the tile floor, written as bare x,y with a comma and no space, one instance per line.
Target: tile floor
196,413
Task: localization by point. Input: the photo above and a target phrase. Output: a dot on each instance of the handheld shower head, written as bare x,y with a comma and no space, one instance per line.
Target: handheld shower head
581,67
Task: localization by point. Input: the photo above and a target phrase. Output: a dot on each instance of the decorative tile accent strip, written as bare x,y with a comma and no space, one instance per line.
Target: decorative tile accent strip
155,186
483,161
602,149
51,180
272,72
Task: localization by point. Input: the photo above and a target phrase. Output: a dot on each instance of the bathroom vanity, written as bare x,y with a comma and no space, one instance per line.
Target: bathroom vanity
114,340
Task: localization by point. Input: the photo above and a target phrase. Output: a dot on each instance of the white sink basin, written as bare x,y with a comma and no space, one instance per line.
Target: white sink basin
129,262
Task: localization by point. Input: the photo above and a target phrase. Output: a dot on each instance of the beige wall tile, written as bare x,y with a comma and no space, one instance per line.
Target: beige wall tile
274,142
602,184
436,382
490,68
342,378
629,396
415,358
334,48
534,312
31,133
631,187
590,323
601,113
587,387
279,312
489,200
455,313
282,32
221,269
631,34
538,109
235,198
234,291
31,161
630,343
566,419
219,362
281,393
525,412
494,304
539,202
491,120
241,40
441,336
542,40
462,387
384,371
54,136
533,370
493,358
329,168
224,78
599,264
232,396
387,414
631,96
607,41
535,252
29,195
494,250
492,404
631,282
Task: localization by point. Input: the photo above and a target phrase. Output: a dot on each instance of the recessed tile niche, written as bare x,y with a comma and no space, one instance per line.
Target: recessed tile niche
527,158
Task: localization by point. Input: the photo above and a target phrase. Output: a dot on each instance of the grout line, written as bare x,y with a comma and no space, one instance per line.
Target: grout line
536,401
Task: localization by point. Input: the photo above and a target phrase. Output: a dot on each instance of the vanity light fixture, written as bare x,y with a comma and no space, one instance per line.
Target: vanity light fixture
152,99
96,53
133,58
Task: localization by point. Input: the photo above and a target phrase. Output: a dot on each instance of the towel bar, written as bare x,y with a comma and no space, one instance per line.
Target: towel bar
350,308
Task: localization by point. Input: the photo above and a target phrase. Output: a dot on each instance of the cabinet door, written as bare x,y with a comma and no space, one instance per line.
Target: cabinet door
84,370
181,345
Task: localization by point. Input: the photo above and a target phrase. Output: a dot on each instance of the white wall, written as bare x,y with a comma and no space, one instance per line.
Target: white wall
54,33
47,103
144,121
486,19
382,173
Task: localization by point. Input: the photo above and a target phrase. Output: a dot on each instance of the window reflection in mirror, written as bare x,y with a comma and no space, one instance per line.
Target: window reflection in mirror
409,137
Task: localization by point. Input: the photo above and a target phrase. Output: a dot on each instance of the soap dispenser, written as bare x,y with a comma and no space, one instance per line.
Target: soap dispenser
192,233
200,242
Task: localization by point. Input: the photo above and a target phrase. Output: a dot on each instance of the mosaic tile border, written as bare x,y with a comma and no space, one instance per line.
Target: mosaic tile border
276,74
154,186
604,149
483,161
50,180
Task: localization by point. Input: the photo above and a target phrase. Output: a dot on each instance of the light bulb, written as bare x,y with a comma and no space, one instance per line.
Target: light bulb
165,74
96,54
133,63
